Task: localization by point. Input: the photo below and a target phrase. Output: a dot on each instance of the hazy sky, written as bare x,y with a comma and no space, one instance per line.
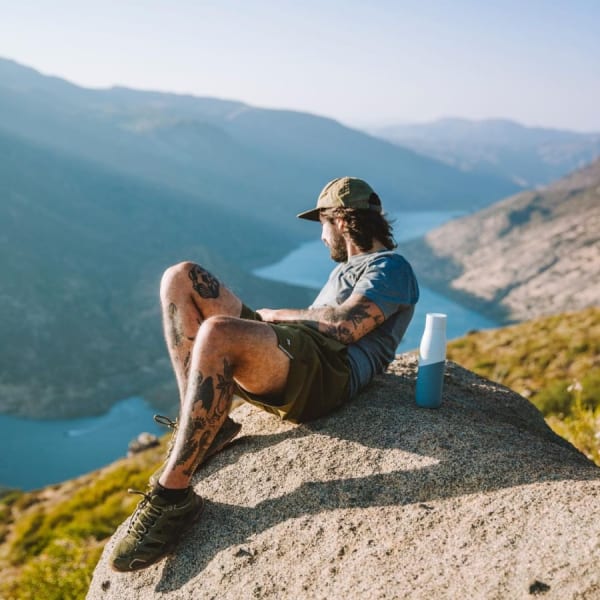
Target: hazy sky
535,61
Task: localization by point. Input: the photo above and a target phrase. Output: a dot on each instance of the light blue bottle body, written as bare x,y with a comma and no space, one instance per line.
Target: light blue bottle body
432,360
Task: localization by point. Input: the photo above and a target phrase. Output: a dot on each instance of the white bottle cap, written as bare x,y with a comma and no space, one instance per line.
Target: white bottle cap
435,320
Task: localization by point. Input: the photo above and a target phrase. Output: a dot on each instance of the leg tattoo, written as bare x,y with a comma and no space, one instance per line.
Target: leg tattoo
203,282
206,392
196,426
205,415
176,326
226,388
186,364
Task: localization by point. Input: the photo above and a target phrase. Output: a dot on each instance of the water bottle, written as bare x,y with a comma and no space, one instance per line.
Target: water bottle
432,360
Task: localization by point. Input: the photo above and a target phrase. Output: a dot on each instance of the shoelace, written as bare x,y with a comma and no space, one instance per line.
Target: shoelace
163,420
137,525
171,424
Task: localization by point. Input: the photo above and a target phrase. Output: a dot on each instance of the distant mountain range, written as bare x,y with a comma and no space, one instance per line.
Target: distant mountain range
241,157
527,156
533,254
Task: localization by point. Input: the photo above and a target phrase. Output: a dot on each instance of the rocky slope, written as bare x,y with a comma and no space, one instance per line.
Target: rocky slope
478,499
533,254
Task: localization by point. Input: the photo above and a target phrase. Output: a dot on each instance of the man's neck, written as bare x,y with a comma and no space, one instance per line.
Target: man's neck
354,250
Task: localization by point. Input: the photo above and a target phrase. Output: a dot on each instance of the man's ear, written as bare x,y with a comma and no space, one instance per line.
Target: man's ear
341,224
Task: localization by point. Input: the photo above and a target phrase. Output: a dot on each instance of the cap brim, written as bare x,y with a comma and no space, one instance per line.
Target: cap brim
311,215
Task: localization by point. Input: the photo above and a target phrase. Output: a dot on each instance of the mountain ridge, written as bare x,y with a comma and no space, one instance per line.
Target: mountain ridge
531,254
103,189
528,155
271,150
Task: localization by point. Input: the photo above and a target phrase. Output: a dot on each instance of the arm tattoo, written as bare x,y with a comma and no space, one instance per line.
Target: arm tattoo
355,314
344,323
340,333
203,282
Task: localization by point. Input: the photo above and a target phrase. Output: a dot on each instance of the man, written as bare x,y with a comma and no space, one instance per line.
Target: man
298,364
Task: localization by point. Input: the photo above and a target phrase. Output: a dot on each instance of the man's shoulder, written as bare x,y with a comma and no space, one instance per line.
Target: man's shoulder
385,259
384,269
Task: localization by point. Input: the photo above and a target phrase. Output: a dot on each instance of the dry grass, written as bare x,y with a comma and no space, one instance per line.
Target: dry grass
554,362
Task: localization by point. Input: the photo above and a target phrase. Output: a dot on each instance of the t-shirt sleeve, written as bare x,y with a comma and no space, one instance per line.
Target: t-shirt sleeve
388,281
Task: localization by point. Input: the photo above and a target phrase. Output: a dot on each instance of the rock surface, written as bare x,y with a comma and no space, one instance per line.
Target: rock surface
534,254
478,499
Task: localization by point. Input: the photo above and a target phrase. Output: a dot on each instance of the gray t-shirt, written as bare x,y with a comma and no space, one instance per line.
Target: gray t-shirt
386,279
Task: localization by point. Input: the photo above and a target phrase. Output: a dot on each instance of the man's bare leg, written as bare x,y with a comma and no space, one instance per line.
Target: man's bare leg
189,294
227,350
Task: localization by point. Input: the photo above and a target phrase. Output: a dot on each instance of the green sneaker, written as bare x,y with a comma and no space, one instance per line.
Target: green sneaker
224,438
154,529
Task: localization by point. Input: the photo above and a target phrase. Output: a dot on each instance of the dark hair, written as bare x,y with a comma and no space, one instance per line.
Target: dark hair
364,226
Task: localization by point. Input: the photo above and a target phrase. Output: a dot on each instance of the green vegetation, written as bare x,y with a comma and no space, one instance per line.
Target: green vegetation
51,540
554,361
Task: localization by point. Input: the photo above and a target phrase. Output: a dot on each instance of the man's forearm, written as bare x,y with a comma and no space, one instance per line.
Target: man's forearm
343,324
315,315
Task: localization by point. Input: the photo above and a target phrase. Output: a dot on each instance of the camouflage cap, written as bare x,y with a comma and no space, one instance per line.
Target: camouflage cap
344,192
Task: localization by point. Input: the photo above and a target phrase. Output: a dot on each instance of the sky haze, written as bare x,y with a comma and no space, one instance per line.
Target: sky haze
384,62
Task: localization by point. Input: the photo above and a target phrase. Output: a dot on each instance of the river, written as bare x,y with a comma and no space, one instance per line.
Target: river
37,453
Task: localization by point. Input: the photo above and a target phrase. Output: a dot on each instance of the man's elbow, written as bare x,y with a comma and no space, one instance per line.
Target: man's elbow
339,332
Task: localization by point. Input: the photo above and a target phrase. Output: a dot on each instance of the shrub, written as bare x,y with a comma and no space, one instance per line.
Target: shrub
62,572
554,399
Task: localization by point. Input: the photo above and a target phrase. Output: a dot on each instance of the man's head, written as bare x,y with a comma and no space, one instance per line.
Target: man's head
345,192
349,209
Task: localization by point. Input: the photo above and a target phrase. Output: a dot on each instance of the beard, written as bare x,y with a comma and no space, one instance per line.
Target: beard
338,250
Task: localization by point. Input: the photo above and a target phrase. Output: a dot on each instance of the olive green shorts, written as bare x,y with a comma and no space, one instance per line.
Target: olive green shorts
319,377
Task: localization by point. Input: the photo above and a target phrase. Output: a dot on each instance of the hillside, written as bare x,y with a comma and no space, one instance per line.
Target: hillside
528,156
533,254
554,362
82,250
256,161
51,539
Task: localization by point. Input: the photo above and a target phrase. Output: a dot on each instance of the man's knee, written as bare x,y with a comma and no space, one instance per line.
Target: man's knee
177,277
219,331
